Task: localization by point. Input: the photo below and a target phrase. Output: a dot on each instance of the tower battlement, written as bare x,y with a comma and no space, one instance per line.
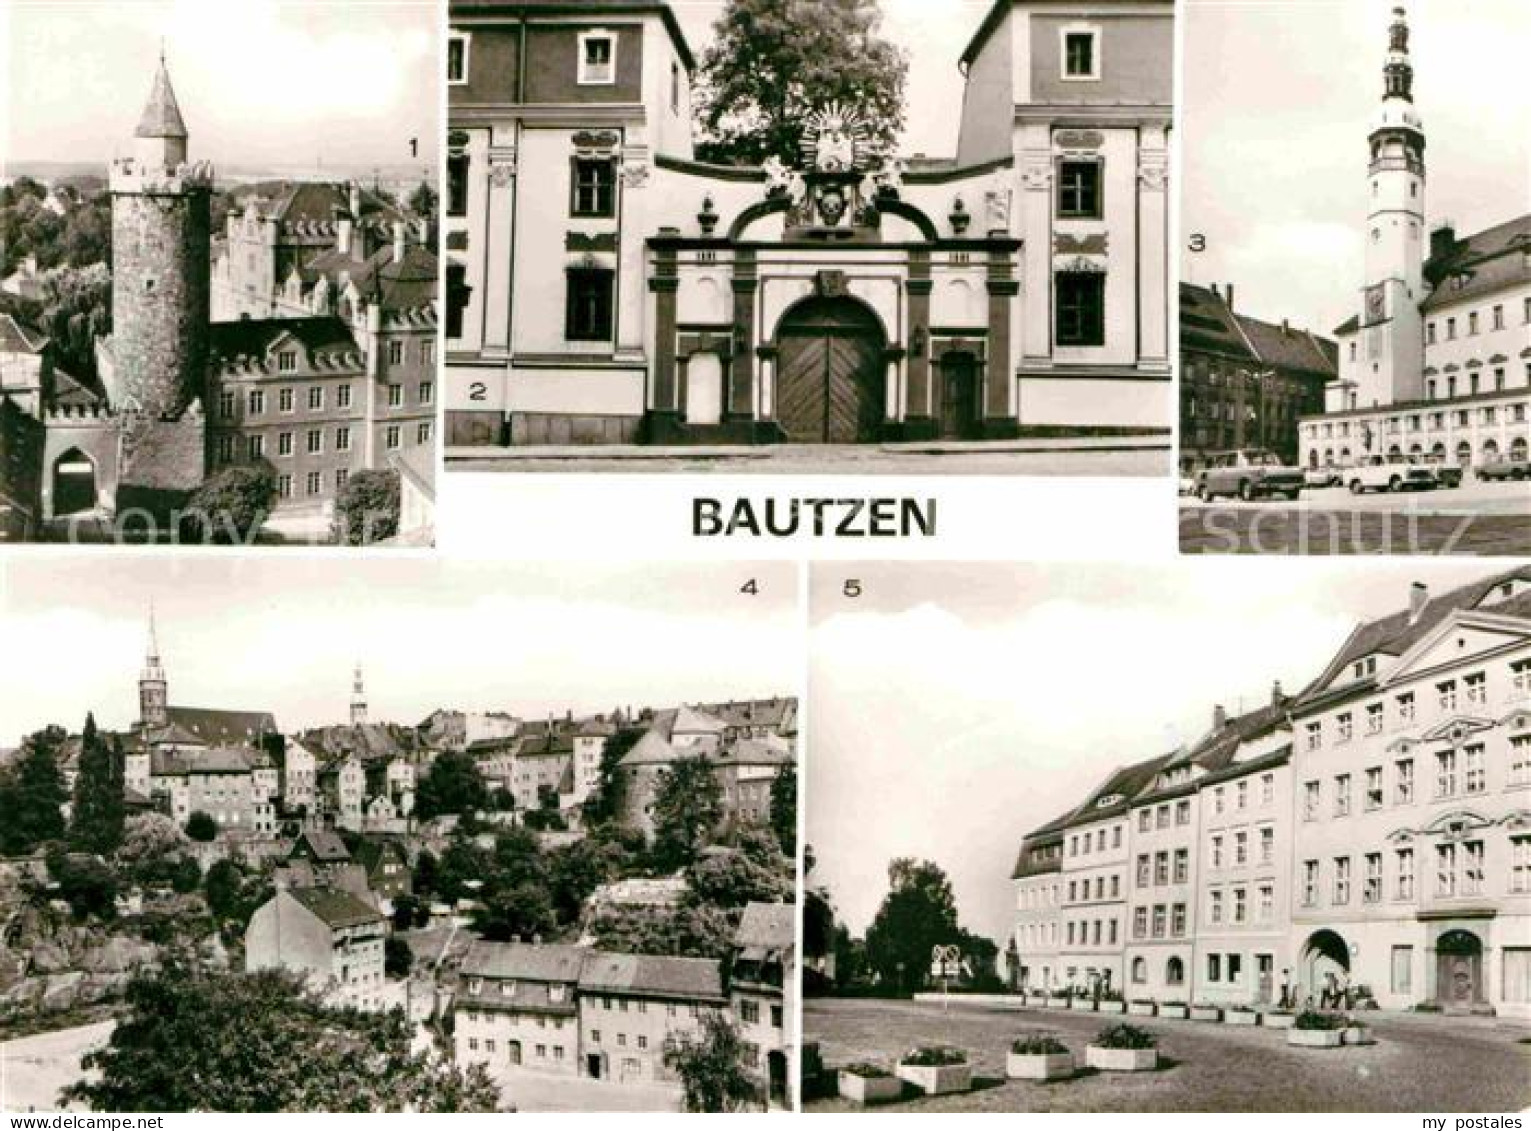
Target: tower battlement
130,175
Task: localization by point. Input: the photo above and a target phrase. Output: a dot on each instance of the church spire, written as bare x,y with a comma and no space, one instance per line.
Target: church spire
358,699
153,688
160,141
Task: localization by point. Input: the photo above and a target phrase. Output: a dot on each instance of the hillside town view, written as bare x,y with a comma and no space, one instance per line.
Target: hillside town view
478,911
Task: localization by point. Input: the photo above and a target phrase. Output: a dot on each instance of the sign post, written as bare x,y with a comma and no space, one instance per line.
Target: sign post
945,960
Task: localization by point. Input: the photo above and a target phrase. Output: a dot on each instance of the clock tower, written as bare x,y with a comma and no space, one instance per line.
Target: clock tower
1392,330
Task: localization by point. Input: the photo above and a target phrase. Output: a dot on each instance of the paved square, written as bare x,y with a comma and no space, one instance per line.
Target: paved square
1419,1063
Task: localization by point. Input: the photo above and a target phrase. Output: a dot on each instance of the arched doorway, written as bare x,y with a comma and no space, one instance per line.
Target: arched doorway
74,483
1464,453
1518,449
829,386
1459,969
1324,956
959,396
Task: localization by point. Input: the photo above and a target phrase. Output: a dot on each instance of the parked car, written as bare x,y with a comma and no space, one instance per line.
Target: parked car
1326,476
1384,473
1447,474
1500,469
1248,473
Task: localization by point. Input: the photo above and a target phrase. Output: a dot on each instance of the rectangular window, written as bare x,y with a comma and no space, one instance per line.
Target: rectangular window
1313,735
597,59
1162,817
1215,907
1403,859
284,444
1240,907
1446,694
1140,922
342,439
1310,800
1182,865
588,314
1371,892
1145,820
257,402
1217,800
1267,902
1520,865
284,400
1517,968
342,477
314,483
1374,719
1473,777
1341,880
457,59
1520,677
284,486
427,392
595,187
1446,773
1476,684
1143,873
226,449
1161,868
1217,851
1472,867
457,184
1182,812
1081,309
226,405
257,445
1342,724
395,352
1159,920
1374,788
1177,920
423,432
1079,196
286,362
1342,795
395,396
392,438
1267,845
1520,760
1214,967
1079,55
343,396
1446,869
1403,786
1241,791
1240,849
316,397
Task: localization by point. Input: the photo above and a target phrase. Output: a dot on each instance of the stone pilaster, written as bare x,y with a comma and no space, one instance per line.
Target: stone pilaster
999,421
919,413
741,386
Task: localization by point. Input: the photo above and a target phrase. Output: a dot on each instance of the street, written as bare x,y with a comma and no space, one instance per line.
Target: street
33,1069
1135,456
1475,518
1419,1063
530,1091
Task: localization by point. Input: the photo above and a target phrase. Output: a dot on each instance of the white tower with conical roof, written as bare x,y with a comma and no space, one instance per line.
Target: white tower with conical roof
358,700
153,689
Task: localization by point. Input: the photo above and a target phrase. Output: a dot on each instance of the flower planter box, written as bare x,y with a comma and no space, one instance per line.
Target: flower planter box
1112,1006
1315,1038
1140,1008
1206,1013
1358,1035
1057,1003
1083,1004
870,1089
1039,1066
1121,1060
1241,1017
1176,1011
937,1079
1278,1020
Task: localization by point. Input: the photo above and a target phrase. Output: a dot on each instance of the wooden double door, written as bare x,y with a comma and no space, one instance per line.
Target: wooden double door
829,384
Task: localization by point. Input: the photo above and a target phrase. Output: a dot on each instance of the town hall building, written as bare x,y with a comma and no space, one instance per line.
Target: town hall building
1438,360
604,287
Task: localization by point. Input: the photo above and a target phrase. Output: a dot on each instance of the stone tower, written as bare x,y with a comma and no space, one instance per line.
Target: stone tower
1392,329
153,690
358,700
160,240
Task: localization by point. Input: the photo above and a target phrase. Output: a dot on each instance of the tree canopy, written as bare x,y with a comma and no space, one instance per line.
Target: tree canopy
96,817
367,509
687,808
711,1067
773,62
918,913
32,793
784,809
453,785
261,1042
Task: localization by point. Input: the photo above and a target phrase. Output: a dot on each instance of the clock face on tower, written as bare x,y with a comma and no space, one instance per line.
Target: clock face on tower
1375,304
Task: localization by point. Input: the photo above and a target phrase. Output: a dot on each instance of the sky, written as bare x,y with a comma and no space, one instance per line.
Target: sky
258,82
1278,100
279,633
933,33
953,708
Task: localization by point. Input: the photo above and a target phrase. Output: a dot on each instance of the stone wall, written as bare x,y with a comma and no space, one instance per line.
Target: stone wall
160,287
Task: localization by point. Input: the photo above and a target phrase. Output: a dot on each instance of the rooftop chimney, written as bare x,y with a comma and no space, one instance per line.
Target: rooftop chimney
398,241
1219,717
1419,596
1276,697
1228,294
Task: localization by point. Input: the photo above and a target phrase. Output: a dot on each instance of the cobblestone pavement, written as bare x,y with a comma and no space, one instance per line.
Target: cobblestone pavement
1419,1063
1125,457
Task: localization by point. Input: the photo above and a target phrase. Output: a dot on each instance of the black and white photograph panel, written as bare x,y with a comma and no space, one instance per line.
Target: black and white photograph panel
390,834
800,236
218,294
1052,866
1355,296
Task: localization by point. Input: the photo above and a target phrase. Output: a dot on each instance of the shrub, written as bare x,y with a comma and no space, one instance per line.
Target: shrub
1426,1007
230,506
1109,995
1058,993
200,826
397,957
367,510
867,1071
1125,1037
933,1056
1037,1044
1312,1019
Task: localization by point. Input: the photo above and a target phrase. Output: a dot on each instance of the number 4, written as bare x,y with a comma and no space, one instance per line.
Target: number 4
752,587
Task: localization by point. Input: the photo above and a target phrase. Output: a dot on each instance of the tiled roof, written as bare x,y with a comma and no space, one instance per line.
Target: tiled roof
772,926
370,742
16,338
326,846
1291,348
336,908
1208,325
773,713
1487,261
1396,633
217,760
218,727
534,962
690,720
161,116
653,749
1124,784
647,975
328,341
769,751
